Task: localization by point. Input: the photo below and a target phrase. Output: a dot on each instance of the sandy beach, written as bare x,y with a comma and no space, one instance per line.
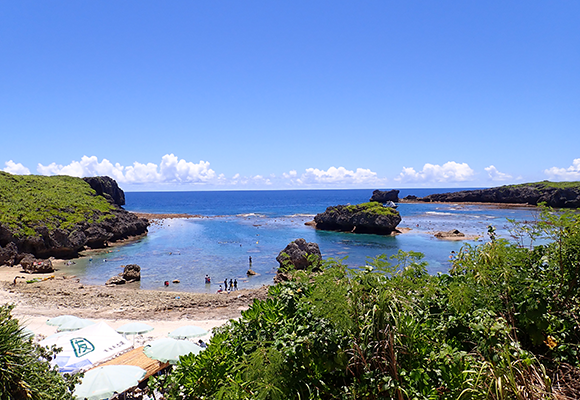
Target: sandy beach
57,294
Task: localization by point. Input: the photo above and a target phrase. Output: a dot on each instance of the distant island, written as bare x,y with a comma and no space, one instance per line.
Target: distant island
58,216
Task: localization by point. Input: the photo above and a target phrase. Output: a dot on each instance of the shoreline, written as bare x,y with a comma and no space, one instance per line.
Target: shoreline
34,303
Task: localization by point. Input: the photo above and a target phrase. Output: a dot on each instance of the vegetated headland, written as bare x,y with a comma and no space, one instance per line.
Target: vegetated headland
553,194
58,216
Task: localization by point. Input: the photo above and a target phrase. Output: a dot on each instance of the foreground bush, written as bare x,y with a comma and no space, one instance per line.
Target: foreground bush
25,372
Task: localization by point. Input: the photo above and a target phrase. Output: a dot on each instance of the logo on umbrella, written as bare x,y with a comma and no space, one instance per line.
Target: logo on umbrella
81,346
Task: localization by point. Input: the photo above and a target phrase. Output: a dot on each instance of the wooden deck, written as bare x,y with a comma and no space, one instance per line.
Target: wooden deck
138,358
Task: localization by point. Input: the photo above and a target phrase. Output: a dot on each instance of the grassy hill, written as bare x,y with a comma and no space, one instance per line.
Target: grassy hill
28,201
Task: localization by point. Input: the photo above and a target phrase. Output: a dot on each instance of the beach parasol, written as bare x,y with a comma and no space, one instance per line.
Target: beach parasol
58,321
169,350
188,331
75,325
134,328
104,382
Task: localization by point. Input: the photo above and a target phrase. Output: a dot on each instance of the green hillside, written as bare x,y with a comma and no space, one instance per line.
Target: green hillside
28,201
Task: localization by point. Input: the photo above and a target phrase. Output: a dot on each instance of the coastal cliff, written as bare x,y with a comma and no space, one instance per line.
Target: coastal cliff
554,194
45,216
361,218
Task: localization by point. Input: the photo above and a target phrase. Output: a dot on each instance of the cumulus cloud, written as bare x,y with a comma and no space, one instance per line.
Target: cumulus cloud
16,168
495,175
448,172
332,177
87,166
170,170
572,173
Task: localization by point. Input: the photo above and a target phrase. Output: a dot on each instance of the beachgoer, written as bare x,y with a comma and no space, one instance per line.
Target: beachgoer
220,289
207,278
250,261
201,344
231,284
235,284
166,283
225,284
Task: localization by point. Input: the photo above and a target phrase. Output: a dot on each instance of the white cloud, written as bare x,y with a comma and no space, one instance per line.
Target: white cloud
495,175
448,172
16,168
333,177
87,166
171,170
572,173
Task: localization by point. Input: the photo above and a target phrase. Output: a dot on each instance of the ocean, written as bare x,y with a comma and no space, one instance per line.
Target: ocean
236,225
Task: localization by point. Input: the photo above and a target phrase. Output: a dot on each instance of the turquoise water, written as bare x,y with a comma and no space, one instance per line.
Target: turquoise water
237,225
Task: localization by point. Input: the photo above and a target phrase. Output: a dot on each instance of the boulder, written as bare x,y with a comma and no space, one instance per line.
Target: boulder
33,266
385,196
362,218
116,280
131,273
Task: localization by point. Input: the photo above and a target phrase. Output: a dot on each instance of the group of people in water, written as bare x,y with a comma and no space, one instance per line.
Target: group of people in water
233,284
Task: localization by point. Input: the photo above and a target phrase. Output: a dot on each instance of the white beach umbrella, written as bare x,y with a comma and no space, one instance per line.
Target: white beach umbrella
104,382
75,325
58,321
169,350
188,331
134,328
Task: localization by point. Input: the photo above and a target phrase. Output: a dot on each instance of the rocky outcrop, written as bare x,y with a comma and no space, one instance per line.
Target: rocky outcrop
532,194
385,196
97,231
131,273
362,218
298,255
66,243
108,188
33,266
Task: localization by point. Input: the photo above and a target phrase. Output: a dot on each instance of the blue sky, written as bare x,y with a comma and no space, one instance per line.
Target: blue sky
200,95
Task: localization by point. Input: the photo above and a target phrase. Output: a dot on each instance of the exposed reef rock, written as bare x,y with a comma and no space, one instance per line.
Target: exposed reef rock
30,264
385,196
298,255
108,188
454,233
131,273
556,195
362,218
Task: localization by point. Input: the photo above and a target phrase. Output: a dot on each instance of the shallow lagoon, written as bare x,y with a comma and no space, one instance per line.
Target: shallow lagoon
261,224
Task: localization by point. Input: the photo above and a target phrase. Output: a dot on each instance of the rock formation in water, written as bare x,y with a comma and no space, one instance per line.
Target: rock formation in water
385,196
362,218
131,273
298,255
558,195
